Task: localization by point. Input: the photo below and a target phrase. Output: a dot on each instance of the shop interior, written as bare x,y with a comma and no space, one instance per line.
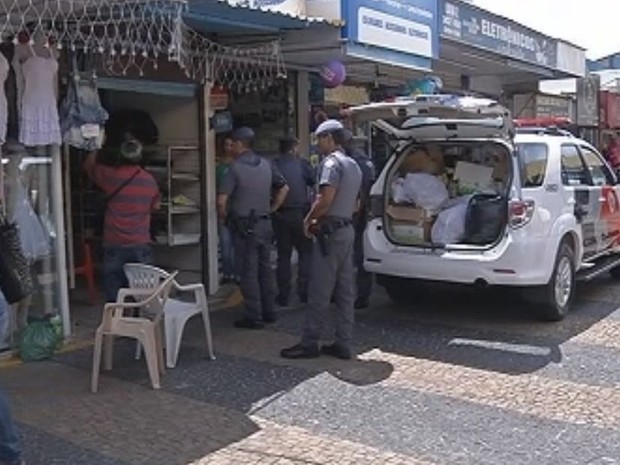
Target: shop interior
168,127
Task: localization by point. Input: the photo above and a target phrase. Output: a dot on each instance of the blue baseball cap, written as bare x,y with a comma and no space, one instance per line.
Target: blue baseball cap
243,133
331,125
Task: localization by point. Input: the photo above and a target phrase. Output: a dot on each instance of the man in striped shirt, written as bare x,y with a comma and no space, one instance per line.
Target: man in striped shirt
133,195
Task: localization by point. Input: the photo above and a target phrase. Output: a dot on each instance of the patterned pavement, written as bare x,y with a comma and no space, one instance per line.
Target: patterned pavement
462,379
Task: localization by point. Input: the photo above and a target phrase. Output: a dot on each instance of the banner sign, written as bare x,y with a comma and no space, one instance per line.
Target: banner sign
406,26
465,23
588,101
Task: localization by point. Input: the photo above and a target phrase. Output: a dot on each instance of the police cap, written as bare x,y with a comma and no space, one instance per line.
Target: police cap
243,133
329,126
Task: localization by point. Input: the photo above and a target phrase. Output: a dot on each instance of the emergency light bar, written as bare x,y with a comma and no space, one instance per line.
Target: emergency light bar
542,122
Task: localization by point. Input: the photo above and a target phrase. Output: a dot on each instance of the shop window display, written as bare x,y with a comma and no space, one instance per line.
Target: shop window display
26,193
27,203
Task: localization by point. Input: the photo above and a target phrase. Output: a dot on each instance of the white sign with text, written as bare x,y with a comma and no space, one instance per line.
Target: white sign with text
388,31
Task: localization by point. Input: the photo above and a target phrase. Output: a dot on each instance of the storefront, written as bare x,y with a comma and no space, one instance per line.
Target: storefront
491,55
172,96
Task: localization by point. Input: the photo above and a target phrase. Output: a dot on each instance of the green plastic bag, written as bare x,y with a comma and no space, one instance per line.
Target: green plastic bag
39,341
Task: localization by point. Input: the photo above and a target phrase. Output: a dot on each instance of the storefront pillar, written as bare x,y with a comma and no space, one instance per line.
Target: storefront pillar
303,112
210,194
60,243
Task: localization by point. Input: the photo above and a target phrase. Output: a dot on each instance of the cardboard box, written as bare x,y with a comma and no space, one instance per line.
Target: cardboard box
407,213
410,225
473,176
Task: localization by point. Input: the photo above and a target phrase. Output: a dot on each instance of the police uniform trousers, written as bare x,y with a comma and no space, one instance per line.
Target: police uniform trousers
289,232
331,275
252,256
364,278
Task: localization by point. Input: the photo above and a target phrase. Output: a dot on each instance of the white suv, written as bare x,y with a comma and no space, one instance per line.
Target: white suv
467,198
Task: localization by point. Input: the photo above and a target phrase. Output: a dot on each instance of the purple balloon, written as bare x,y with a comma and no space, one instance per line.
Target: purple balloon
333,73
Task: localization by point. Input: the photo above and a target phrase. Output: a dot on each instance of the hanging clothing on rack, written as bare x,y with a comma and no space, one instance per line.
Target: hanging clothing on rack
82,117
39,122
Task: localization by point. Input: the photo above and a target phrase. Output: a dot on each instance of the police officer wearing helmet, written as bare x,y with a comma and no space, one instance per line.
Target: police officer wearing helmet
255,189
360,220
330,223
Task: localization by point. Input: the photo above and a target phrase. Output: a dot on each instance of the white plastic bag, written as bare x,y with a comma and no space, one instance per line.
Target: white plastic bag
35,241
398,191
424,190
449,227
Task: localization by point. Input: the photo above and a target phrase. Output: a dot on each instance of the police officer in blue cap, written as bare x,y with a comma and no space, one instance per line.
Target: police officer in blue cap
360,220
330,223
255,189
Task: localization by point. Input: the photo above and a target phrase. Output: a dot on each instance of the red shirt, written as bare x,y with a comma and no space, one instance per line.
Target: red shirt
128,216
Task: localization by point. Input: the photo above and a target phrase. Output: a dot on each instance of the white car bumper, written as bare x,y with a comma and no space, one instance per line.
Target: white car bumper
516,261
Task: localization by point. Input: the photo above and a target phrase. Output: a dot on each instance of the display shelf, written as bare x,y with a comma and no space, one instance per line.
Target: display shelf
182,206
178,239
185,177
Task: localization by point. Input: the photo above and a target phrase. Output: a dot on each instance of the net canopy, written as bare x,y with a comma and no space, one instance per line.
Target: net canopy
132,34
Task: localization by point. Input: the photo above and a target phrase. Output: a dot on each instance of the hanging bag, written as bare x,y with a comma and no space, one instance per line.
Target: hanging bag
82,118
15,275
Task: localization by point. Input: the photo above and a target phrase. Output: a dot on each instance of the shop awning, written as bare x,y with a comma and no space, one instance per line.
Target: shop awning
223,16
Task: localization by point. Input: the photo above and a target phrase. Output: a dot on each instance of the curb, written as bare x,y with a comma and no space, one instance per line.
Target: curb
233,300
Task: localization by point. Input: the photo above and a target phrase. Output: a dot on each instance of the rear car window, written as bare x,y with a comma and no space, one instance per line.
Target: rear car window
533,159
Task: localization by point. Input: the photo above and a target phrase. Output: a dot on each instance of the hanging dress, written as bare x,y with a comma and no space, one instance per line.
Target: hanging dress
4,114
39,122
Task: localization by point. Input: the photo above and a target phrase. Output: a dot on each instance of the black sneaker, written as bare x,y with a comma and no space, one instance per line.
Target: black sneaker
301,352
270,318
361,303
246,323
282,301
338,351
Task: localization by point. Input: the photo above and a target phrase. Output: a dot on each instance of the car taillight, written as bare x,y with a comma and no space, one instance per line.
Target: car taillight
377,207
520,213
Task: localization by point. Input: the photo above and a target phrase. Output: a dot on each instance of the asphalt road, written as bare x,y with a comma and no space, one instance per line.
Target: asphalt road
460,377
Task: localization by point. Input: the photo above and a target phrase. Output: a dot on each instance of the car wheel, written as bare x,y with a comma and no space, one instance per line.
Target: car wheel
560,291
398,291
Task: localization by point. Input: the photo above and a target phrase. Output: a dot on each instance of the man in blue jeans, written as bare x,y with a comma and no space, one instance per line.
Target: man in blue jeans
132,195
10,447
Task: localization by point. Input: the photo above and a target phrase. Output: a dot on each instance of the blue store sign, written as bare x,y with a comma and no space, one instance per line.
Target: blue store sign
467,24
404,27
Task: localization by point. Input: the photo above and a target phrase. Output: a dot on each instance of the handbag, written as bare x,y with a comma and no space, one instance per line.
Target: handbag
15,276
104,201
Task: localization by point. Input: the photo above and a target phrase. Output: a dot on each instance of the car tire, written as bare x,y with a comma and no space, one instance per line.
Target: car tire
398,291
559,293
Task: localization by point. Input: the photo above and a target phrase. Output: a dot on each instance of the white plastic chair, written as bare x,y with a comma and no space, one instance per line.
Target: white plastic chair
176,312
146,329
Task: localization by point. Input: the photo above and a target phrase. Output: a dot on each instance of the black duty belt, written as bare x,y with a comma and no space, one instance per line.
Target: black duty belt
334,223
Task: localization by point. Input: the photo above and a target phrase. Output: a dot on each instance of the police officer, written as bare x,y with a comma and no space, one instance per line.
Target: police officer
255,190
330,221
289,221
360,220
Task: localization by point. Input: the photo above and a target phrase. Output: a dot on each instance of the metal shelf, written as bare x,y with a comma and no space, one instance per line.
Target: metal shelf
178,240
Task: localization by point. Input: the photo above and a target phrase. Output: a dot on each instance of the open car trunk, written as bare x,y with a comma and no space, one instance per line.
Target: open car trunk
448,181
448,193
